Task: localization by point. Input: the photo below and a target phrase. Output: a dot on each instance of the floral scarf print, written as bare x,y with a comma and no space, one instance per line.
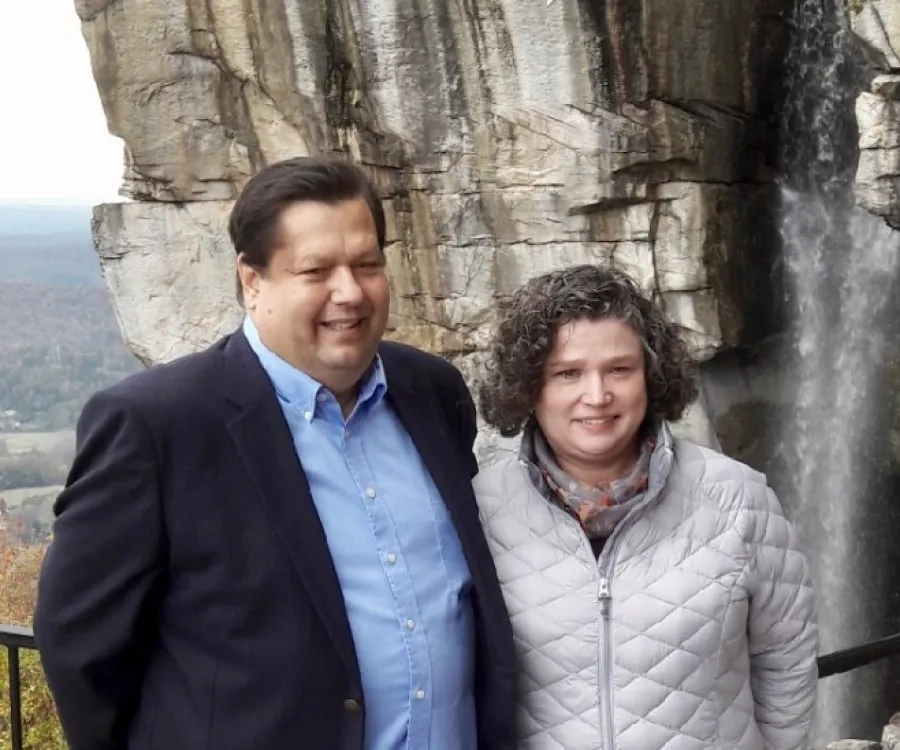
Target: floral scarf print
598,509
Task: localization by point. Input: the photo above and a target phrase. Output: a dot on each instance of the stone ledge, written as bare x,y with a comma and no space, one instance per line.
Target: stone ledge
890,739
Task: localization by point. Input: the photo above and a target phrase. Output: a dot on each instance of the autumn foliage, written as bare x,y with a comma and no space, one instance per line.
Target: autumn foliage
19,566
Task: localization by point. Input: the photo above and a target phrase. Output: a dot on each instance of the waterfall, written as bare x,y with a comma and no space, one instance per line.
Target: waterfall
842,268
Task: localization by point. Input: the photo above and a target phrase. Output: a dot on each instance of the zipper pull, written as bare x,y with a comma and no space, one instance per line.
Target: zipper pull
603,596
603,589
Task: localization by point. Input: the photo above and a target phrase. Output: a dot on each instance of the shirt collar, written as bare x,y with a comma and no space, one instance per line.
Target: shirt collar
298,389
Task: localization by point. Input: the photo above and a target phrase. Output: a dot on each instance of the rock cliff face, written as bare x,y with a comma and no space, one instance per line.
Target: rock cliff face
877,27
506,137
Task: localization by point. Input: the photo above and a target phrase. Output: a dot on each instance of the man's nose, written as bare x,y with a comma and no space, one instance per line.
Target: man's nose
345,288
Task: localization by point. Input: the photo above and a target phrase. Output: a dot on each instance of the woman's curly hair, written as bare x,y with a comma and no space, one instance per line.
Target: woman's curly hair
526,333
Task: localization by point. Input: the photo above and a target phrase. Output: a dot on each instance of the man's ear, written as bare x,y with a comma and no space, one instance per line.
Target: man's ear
249,278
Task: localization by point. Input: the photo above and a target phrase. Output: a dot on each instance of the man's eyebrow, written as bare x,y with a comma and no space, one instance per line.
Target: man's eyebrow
308,261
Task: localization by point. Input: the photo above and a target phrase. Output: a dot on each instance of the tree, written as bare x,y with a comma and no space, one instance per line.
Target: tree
19,567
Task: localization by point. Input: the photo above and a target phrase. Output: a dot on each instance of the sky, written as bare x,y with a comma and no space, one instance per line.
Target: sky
53,136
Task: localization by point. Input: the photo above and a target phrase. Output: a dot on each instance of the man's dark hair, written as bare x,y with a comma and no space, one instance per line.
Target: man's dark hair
253,225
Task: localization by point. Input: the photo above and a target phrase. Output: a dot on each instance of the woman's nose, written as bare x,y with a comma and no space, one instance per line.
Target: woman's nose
596,392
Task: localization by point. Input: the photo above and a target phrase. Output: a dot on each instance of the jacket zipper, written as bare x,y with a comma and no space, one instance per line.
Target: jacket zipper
604,564
605,654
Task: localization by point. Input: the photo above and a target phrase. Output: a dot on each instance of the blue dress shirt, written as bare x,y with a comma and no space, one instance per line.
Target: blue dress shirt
405,582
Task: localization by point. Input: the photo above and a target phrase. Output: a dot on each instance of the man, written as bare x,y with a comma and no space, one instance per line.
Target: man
273,544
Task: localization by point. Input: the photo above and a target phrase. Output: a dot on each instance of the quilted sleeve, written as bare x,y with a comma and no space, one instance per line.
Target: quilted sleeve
783,634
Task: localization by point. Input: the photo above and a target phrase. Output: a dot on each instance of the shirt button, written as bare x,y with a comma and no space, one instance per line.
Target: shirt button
351,706
370,492
307,415
410,624
391,558
420,695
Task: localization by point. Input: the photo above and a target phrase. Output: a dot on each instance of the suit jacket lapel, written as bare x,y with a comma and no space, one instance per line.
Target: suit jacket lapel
263,439
423,421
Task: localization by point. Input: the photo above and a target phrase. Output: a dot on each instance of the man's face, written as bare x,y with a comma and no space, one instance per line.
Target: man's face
322,303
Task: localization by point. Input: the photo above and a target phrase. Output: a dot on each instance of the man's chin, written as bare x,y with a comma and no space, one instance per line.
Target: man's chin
349,360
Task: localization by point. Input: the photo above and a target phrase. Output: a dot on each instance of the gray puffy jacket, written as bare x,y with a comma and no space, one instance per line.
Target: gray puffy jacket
695,629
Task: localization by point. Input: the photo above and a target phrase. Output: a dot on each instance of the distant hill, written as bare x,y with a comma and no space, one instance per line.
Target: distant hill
47,245
59,338
59,344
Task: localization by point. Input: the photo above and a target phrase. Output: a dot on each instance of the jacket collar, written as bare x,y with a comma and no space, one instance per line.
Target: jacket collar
300,390
660,465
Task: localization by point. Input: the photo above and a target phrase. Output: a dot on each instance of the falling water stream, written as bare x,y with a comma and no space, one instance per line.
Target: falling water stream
842,267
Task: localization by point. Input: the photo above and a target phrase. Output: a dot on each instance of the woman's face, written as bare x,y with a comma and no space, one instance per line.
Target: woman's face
594,399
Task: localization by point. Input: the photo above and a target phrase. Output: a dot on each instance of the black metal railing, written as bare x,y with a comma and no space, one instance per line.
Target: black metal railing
14,639
849,659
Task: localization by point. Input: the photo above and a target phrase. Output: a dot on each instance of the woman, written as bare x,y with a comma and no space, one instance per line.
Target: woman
657,593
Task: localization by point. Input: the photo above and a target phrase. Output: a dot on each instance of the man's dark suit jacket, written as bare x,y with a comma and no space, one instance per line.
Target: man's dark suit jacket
188,600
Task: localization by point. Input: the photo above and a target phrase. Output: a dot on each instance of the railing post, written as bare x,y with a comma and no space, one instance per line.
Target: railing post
15,639
15,697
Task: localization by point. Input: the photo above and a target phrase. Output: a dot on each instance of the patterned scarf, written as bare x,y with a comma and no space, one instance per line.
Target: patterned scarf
598,509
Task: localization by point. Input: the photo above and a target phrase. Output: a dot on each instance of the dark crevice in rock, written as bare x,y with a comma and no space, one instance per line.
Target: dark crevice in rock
677,170
607,205
624,22
347,105
271,42
471,21
741,254
884,31
436,67
708,111
654,235
229,88
600,51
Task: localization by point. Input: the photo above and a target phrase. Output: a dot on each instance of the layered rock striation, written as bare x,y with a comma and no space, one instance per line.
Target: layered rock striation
507,137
